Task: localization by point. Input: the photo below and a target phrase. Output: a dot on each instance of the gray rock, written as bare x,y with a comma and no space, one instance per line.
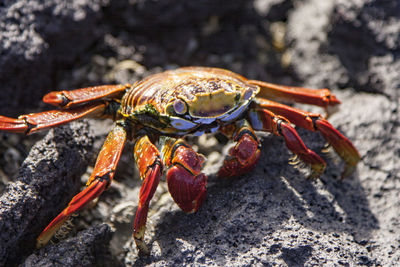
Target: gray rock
48,178
357,43
272,215
170,13
89,248
38,39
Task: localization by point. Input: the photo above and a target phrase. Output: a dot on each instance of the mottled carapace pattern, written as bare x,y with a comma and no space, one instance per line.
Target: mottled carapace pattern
194,85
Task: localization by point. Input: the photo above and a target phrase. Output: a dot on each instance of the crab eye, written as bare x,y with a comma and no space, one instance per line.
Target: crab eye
248,94
180,106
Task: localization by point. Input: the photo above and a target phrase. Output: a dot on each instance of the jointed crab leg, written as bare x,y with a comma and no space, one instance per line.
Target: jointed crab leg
186,182
320,97
150,167
245,154
315,122
67,99
37,121
100,179
265,120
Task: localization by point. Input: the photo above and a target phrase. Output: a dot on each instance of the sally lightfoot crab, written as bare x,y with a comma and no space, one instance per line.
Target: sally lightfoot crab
159,111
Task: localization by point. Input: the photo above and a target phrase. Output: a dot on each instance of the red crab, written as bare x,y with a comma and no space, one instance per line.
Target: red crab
158,111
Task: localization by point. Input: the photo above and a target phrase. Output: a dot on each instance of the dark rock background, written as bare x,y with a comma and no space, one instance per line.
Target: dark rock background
270,216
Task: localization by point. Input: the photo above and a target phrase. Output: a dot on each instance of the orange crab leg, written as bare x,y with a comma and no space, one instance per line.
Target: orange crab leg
265,120
100,179
315,122
150,167
186,183
245,154
318,97
67,99
38,121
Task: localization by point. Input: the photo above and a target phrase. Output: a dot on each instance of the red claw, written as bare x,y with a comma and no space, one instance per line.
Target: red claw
187,190
189,159
186,183
242,157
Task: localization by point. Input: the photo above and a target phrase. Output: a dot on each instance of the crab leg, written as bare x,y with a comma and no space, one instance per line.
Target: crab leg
150,167
315,122
265,120
100,179
186,182
245,154
67,99
318,97
38,121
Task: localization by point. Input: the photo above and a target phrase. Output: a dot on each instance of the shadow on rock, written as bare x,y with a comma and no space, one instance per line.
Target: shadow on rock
273,205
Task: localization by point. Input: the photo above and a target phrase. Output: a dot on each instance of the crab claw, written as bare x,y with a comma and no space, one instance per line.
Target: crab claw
186,183
242,157
340,144
187,190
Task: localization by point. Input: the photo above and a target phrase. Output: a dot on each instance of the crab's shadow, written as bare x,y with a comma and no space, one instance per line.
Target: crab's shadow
243,213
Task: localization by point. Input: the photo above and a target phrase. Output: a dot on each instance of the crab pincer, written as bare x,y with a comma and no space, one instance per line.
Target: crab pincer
186,182
244,155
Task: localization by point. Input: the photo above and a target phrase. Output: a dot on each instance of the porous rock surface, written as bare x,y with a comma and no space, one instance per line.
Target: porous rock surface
89,248
48,177
272,215
38,39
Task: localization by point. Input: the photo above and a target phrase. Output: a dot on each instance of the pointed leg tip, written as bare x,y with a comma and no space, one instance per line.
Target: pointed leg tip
348,170
314,176
55,99
316,164
351,161
142,247
41,243
316,171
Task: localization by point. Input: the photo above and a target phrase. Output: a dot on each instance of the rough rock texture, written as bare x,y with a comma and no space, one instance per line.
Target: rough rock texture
37,39
48,177
358,40
88,248
270,216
